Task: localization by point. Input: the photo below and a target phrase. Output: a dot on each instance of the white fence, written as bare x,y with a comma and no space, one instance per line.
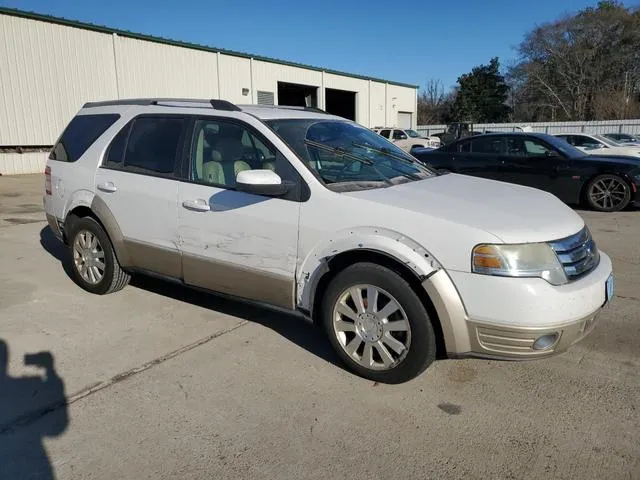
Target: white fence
606,126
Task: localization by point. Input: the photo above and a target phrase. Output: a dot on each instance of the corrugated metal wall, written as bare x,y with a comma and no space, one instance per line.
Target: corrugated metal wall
48,71
16,163
152,69
605,126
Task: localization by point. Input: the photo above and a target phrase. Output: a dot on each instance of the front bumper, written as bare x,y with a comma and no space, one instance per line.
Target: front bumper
498,341
497,317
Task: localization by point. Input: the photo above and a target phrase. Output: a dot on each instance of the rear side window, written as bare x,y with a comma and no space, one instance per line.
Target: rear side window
153,144
115,152
385,133
80,134
488,145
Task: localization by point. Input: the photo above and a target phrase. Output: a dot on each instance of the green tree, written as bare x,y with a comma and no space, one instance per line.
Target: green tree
482,95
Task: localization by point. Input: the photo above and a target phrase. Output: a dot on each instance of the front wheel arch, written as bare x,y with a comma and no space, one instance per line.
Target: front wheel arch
345,259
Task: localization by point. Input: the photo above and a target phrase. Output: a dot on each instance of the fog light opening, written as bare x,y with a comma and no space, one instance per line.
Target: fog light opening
545,342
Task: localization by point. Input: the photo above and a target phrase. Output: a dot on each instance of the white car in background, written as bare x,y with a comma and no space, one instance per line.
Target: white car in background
625,139
594,144
407,139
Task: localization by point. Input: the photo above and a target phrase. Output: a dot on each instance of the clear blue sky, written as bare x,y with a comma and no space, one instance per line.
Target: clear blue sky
425,39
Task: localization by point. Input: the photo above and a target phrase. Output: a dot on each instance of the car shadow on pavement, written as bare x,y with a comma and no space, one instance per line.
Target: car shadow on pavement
32,407
56,249
294,328
290,326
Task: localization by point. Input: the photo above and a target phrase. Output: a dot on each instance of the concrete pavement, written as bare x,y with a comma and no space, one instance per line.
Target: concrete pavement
165,382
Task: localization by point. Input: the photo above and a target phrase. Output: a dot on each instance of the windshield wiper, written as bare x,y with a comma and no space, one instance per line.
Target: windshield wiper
383,151
339,151
386,152
345,153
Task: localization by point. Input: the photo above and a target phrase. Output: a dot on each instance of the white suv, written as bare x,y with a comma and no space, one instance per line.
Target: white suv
408,139
313,213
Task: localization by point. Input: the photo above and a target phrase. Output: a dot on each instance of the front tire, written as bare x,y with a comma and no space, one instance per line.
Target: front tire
94,264
377,324
608,193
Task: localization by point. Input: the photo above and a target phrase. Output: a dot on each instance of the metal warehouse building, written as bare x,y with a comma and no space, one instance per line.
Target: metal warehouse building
49,67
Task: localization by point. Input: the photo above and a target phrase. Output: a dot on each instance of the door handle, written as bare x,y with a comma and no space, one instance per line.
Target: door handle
108,187
198,205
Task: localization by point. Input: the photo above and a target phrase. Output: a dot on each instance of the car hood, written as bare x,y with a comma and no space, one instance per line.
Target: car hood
513,213
633,151
614,158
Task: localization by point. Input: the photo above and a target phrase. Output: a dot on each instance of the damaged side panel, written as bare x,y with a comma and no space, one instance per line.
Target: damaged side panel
382,240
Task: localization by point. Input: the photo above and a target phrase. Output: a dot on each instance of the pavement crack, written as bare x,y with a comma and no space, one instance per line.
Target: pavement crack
30,417
628,298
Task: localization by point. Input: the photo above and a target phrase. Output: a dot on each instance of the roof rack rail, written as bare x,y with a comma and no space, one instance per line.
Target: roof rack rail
285,107
215,104
224,105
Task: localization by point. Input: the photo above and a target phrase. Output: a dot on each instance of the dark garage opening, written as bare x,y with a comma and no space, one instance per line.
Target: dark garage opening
341,103
295,95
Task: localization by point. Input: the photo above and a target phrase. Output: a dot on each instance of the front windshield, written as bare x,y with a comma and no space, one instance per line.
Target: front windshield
412,133
345,155
564,146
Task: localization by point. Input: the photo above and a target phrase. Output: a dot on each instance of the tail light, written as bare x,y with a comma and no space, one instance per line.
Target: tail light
47,180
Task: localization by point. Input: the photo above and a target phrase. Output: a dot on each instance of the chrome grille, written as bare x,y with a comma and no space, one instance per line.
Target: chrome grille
578,254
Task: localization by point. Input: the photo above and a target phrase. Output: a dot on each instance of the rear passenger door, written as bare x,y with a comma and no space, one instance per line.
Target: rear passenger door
235,242
481,157
137,184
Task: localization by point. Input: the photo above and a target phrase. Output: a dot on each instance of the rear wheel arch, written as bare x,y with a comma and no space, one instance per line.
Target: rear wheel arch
101,213
336,264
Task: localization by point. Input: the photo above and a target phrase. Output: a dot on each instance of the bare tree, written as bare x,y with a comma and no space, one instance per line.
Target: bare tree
581,67
432,103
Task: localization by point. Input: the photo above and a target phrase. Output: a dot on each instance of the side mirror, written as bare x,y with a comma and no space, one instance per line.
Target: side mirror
262,182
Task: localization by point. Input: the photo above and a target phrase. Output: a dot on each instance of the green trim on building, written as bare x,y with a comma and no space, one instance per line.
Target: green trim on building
176,43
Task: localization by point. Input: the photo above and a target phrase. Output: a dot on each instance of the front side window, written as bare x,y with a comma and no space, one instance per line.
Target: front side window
80,134
399,135
221,149
153,144
347,156
535,148
412,133
586,142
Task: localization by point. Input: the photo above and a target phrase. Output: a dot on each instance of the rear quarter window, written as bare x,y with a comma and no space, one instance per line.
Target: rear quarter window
80,134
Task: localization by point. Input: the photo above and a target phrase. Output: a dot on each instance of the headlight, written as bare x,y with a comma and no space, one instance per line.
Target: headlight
522,260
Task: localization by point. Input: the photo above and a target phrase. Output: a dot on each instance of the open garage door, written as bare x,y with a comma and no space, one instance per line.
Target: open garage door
295,95
405,120
340,102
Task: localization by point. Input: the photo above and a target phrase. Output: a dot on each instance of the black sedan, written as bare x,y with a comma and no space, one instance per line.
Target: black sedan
606,183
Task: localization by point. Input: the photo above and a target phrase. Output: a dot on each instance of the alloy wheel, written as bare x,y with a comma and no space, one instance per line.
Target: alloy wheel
371,327
608,193
88,257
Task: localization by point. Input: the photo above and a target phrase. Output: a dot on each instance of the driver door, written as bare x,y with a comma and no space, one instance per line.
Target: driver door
533,163
234,242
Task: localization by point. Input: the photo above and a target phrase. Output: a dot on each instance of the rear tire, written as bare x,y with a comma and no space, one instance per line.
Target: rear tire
377,340
94,265
608,193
